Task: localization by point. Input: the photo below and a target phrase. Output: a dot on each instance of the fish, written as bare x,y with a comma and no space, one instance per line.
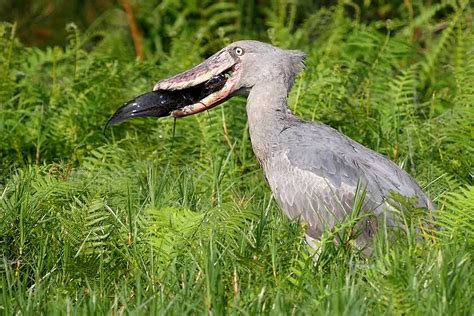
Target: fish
162,103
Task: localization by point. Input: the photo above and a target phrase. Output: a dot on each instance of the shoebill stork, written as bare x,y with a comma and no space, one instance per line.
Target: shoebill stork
312,169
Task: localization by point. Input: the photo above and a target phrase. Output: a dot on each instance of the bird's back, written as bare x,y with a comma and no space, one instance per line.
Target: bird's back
314,170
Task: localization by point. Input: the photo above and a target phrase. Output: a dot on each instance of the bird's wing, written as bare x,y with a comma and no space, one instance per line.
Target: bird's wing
314,174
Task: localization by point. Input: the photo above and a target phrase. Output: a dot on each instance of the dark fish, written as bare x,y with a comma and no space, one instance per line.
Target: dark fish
162,103
213,84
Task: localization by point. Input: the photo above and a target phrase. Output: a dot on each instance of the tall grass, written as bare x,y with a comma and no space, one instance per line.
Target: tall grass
137,221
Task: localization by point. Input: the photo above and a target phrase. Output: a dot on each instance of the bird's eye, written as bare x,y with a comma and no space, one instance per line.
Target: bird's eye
239,51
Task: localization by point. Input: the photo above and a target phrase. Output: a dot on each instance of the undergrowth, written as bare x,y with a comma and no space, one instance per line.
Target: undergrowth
138,220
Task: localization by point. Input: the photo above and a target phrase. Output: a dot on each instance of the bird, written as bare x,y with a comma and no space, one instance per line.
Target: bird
313,170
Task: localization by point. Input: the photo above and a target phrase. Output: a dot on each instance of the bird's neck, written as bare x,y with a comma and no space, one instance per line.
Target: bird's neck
267,108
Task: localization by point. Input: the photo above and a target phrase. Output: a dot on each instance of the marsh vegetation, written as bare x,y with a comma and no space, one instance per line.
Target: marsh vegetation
138,220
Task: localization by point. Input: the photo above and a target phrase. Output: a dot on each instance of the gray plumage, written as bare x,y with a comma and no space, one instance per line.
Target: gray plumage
312,169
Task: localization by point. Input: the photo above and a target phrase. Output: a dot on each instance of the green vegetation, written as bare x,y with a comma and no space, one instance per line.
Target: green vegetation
138,221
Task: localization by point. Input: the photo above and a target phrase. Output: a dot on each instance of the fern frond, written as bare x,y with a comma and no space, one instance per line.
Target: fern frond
456,218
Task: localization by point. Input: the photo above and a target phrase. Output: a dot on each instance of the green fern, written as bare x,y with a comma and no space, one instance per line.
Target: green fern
156,218
457,219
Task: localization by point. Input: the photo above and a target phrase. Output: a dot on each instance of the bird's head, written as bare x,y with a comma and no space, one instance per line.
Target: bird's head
233,70
262,62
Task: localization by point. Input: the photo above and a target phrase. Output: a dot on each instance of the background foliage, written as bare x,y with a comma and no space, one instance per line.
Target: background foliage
135,220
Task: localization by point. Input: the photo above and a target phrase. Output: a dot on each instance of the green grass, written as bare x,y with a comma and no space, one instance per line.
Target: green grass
137,221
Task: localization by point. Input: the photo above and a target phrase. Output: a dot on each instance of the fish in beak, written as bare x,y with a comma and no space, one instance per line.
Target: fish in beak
198,89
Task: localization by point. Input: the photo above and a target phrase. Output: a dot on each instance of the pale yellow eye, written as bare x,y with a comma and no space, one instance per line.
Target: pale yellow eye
239,51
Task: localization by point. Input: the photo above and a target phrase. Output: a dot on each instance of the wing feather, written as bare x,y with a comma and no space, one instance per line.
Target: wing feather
314,171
